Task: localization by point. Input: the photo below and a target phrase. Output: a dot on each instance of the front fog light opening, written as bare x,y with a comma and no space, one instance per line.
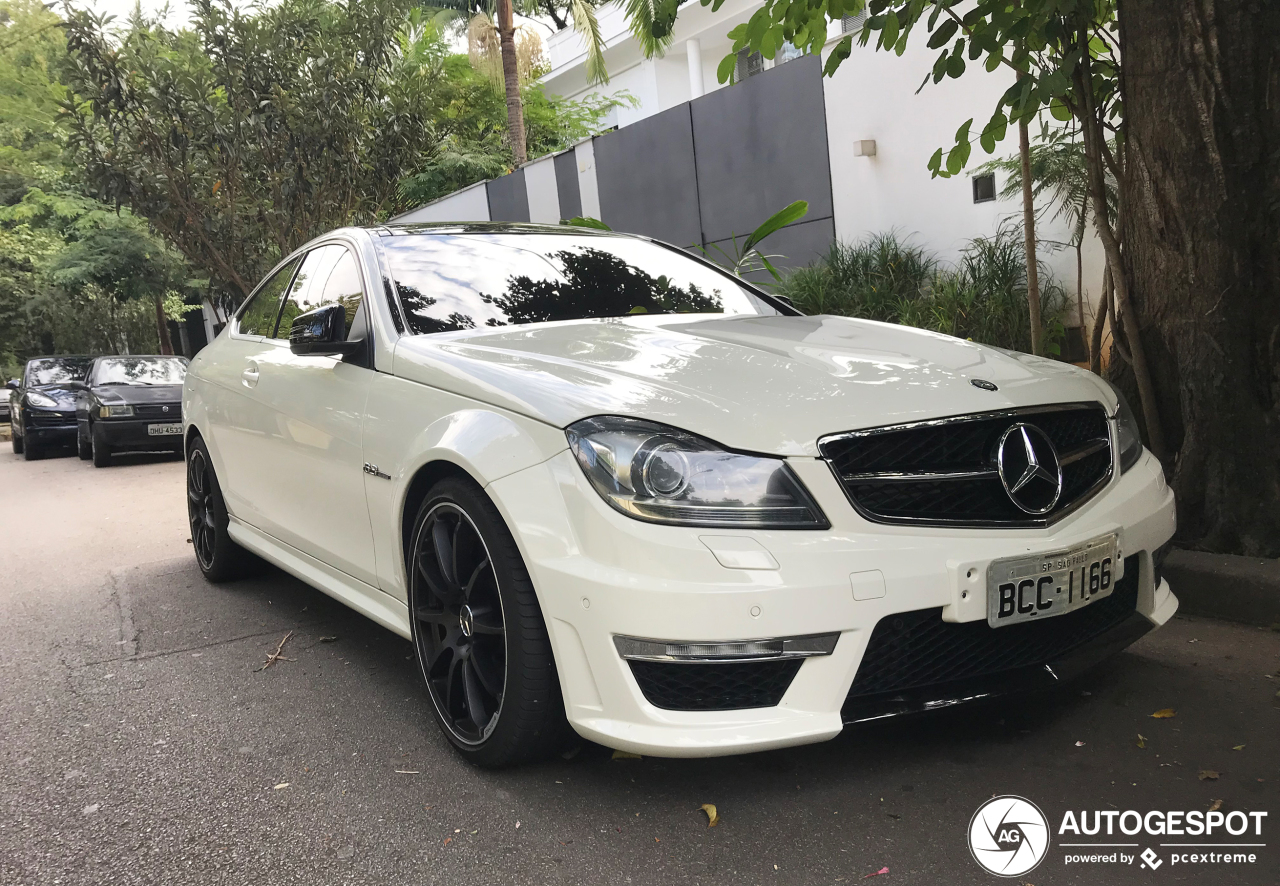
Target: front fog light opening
724,651
659,474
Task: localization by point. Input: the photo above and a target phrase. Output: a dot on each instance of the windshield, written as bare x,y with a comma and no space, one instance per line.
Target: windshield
56,370
463,281
140,371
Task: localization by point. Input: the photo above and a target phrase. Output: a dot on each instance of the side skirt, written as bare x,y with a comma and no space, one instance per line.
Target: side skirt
363,598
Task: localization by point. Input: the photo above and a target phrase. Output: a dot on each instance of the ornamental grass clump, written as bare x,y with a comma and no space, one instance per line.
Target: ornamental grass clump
982,297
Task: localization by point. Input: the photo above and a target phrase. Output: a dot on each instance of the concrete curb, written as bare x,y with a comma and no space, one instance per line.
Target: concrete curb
1243,589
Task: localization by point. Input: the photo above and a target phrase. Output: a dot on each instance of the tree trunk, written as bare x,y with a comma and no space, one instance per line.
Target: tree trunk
1201,94
162,327
511,79
1094,145
1029,237
1100,322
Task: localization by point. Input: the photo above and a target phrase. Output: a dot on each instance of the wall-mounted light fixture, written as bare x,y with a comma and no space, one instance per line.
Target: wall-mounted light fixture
864,148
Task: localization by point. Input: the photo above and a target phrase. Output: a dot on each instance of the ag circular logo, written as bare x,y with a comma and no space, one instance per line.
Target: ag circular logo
1008,836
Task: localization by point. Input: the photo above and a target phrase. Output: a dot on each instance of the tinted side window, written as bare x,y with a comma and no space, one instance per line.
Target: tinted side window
332,277
259,315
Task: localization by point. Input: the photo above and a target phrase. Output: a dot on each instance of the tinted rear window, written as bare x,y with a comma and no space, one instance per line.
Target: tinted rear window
463,281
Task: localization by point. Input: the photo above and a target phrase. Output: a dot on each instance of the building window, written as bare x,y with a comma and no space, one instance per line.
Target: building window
749,64
787,53
984,188
853,22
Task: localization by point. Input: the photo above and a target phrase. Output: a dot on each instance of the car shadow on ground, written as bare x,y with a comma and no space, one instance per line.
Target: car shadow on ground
958,736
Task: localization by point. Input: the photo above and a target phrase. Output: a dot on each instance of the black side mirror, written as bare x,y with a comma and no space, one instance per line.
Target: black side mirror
322,333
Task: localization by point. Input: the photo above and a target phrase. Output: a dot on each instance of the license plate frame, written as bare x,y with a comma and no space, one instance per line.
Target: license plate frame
167,429
1040,586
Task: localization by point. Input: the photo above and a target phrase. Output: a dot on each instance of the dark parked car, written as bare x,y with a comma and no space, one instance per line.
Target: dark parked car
43,405
133,404
11,385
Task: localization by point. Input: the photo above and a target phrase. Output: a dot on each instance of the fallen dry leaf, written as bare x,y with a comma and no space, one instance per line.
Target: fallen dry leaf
1208,775
1142,740
281,786
626,755
713,817
1217,804
884,870
1238,747
448,840
1164,714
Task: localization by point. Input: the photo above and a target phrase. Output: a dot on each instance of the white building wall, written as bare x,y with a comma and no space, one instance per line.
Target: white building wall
469,204
588,189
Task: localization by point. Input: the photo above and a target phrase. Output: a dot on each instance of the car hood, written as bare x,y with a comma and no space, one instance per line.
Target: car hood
138,394
763,384
65,396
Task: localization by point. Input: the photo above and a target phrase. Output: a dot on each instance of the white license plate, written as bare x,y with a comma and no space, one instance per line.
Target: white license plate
1021,589
163,430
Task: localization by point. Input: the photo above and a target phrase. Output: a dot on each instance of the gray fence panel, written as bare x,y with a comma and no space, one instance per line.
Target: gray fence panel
647,180
508,198
567,184
762,144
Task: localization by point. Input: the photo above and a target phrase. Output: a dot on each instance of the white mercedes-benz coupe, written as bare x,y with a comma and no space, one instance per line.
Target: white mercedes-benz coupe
599,483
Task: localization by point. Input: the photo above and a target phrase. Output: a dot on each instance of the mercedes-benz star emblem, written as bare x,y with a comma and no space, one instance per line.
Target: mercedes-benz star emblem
467,621
164,408
1029,468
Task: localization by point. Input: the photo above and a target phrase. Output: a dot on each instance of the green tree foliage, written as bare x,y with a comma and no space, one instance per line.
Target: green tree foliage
259,128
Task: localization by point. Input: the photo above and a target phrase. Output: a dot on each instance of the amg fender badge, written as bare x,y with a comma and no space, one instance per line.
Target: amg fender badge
372,470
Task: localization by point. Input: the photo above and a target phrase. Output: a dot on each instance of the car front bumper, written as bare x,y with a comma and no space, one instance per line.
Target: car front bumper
131,433
48,426
601,575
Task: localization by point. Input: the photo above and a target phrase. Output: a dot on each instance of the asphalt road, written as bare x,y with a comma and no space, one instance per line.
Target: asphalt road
140,742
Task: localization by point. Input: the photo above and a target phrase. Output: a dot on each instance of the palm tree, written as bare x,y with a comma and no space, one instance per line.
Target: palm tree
578,14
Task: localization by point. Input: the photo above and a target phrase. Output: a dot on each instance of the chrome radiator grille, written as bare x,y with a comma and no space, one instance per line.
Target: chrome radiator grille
946,471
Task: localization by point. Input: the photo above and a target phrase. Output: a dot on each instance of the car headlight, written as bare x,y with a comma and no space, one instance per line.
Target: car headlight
43,401
115,411
662,475
1128,436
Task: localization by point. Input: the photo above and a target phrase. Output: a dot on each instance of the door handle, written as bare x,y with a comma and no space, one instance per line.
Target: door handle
250,376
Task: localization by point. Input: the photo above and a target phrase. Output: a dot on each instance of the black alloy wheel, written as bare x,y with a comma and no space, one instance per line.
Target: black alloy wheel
200,512
478,632
462,635
219,557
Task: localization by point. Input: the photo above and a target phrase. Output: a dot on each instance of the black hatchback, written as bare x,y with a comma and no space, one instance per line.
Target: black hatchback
131,404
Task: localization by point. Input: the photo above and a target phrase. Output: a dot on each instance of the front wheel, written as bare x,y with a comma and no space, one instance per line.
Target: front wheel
219,557
100,449
478,632
17,443
84,448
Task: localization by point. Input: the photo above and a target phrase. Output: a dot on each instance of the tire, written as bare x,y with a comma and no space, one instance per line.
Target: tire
217,555
31,449
476,621
100,449
17,443
84,448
